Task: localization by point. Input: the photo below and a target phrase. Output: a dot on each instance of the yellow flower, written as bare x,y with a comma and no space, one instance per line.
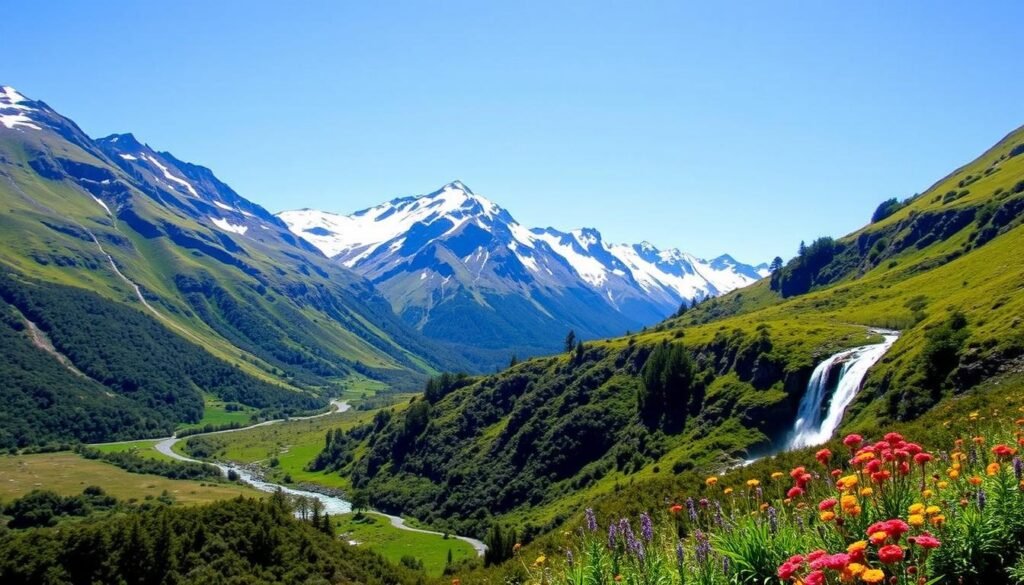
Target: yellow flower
727,491
848,501
857,547
932,510
872,576
854,569
953,474
711,481
848,482
916,508
992,469
938,520
915,520
827,516
926,494
866,492
777,475
753,483
942,485
764,506
540,561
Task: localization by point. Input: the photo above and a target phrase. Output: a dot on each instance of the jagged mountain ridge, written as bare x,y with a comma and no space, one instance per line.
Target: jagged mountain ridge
455,249
146,231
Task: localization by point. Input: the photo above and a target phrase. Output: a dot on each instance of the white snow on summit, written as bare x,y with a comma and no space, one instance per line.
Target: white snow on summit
373,239
12,109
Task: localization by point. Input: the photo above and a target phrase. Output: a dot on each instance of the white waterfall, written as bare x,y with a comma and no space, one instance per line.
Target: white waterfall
853,365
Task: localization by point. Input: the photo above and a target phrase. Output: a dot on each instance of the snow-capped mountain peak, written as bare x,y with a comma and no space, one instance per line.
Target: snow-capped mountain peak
429,250
15,109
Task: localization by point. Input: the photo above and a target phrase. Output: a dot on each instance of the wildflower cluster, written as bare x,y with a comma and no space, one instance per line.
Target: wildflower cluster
884,511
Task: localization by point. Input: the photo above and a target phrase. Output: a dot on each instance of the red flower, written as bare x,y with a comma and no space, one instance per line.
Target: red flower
827,504
815,555
904,468
922,458
893,438
787,570
926,541
795,492
675,509
823,456
913,448
873,466
853,441
1003,451
815,578
796,559
890,553
797,473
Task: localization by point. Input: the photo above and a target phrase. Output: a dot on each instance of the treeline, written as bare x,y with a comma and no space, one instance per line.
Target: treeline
150,377
134,463
237,541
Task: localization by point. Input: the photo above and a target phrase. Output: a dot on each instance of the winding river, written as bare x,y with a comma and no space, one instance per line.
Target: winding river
332,504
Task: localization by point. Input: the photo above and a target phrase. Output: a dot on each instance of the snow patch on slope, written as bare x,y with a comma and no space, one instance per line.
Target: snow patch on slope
228,226
170,177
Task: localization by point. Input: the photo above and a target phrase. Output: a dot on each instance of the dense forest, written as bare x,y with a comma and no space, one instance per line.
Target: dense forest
131,376
230,542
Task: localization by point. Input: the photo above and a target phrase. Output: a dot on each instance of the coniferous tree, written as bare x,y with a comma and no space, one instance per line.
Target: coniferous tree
570,341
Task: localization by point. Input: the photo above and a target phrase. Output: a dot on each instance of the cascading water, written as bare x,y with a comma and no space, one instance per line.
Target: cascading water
853,364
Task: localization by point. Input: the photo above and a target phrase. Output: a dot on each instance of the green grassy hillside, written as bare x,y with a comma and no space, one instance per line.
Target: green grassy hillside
532,443
86,218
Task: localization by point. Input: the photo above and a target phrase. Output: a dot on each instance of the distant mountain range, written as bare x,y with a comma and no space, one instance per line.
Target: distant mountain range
463,271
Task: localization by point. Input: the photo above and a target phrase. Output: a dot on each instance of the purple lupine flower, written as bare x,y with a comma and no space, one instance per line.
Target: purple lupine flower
611,535
800,523
972,455
982,498
1018,468
679,552
591,520
759,492
637,548
725,565
646,528
691,509
773,519
719,520
625,530
702,548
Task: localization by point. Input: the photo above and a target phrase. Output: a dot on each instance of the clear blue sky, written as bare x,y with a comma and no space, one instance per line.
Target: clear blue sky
738,127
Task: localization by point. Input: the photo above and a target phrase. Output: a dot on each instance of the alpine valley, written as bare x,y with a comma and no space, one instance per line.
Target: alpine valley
462,270
194,390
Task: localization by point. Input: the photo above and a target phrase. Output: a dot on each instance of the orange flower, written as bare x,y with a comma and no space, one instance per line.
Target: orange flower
675,509
992,469
879,537
827,516
456,582
711,481
872,576
975,480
